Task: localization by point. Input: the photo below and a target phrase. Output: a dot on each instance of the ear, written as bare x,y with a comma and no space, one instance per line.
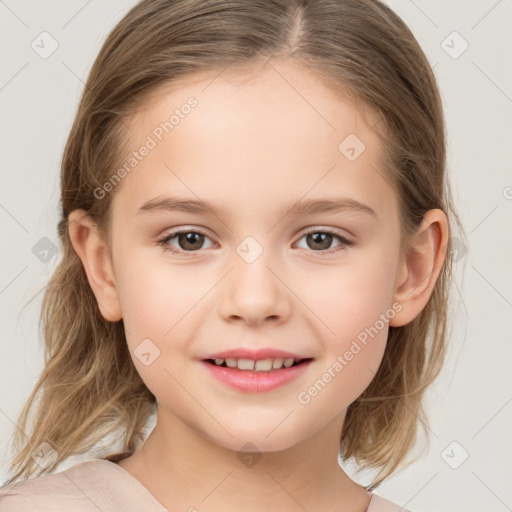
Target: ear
92,251
420,267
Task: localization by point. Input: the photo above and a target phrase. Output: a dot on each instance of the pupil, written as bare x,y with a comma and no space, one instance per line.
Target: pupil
187,240
321,238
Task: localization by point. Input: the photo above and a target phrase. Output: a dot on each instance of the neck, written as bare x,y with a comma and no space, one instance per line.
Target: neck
184,470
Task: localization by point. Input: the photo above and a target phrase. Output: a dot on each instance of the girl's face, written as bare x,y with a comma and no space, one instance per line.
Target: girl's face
247,169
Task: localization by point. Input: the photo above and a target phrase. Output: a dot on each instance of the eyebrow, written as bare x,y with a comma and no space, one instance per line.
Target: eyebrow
297,208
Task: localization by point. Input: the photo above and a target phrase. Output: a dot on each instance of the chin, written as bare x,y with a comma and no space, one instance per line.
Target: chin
256,438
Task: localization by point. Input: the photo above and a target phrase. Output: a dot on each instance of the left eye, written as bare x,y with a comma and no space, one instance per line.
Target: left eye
323,240
191,241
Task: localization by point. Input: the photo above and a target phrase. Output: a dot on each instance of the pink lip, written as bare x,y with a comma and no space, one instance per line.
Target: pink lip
256,382
255,354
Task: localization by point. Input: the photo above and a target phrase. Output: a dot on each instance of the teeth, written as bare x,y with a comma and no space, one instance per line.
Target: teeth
261,365
245,364
277,363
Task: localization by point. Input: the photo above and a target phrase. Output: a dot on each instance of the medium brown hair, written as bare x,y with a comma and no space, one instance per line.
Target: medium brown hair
89,387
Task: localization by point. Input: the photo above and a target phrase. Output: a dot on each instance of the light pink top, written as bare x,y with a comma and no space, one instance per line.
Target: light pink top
100,485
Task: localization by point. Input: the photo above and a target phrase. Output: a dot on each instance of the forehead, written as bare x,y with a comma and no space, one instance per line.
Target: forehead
259,138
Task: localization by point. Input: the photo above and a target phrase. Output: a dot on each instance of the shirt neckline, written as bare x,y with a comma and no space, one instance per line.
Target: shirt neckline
112,459
136,484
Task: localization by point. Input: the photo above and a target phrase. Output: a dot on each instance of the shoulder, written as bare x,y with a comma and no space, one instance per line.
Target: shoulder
380,504
81,488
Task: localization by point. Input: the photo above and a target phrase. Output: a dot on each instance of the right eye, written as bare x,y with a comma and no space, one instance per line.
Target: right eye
187,241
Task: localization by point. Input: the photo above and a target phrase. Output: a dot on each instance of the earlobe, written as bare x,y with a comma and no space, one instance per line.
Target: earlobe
92,251
421,266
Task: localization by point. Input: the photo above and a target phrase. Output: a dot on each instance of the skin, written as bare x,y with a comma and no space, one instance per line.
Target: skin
251,146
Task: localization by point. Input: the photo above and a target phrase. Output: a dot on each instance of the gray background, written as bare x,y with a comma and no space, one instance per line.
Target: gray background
470,406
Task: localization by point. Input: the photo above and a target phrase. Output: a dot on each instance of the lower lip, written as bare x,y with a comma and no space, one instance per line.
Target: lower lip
256,382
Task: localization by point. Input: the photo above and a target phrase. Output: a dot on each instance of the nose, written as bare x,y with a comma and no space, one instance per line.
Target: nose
254,292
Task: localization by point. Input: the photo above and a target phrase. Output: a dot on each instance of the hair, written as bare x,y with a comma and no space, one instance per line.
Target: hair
89,387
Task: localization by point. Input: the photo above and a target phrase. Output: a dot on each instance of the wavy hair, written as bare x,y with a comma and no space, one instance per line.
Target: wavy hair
89,388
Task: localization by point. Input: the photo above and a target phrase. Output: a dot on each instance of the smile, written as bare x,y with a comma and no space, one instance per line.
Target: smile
260,365
256,376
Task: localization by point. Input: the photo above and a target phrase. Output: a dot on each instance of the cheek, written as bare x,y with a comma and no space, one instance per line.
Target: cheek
158,302
155,296
347,299
352,308
163,307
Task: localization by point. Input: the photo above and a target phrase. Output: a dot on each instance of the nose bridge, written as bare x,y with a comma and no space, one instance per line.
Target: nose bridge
253,291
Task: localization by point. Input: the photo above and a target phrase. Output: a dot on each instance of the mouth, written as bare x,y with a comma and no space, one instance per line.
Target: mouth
267,365
256,375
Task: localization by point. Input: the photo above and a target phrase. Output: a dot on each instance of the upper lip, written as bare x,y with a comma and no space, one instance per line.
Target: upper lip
255,354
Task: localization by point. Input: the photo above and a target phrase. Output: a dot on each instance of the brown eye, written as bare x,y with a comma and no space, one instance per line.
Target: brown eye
184,241
190,241
320,241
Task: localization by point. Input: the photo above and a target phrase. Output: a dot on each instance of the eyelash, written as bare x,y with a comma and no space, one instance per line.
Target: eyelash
164,242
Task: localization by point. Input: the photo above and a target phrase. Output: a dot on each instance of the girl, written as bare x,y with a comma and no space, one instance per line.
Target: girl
256,248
